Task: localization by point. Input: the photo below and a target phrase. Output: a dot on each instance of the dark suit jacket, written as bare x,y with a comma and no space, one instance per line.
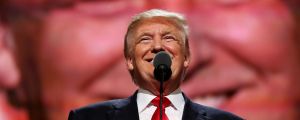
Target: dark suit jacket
126,109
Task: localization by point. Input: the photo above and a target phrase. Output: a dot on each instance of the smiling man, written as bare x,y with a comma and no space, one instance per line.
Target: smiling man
149,33
245,58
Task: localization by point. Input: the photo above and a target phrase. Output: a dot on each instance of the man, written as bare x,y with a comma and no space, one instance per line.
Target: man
149,33
245,58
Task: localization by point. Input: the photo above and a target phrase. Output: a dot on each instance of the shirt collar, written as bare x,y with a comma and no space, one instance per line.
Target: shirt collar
176,99
144,98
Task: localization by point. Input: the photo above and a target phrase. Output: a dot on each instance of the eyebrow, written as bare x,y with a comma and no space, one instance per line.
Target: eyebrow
145,34
166,33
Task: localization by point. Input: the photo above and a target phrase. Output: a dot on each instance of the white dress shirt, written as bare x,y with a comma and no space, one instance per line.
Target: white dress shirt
146,109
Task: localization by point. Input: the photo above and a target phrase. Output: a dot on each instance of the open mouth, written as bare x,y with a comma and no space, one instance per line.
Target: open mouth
150,60
219,86
216,99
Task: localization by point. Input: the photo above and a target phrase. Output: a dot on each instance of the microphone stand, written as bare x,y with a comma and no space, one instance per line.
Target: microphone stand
162,72
161,95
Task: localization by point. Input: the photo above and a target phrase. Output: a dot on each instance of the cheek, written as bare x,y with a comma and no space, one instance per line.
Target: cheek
141,49
9,74
178,55
175,47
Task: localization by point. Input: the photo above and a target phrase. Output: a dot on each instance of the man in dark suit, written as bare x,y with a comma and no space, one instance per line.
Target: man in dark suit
149,33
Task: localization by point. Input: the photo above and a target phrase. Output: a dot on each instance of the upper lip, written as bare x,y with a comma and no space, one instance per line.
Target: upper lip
226,91
213,89
210,85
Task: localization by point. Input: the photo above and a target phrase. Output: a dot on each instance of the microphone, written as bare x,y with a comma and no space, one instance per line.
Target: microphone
162,72
162,63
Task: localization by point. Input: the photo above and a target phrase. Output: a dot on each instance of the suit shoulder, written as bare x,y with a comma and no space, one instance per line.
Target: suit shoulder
96,110
217,114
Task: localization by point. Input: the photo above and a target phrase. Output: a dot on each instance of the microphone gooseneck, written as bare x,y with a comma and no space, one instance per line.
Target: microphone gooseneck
162,72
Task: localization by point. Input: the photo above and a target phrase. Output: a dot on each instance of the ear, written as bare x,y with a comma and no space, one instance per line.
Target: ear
129,63
186,61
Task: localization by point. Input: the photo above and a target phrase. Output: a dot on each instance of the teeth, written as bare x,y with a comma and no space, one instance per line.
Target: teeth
210,100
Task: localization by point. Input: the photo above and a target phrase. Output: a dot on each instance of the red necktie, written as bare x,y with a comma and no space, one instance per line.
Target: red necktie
155,102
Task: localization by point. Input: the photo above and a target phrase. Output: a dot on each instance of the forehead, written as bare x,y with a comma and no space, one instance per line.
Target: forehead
244,21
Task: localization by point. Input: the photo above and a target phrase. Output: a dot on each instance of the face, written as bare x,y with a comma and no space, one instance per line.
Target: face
245,60
80,56
148,38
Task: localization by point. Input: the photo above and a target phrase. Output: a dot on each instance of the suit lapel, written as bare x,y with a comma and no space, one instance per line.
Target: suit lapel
125,109
191,112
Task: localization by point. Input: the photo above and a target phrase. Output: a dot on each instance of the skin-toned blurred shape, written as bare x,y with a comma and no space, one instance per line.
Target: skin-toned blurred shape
244,55
9,79
246,58
72,52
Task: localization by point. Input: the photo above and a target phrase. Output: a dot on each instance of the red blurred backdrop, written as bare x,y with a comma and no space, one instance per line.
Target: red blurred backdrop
57,55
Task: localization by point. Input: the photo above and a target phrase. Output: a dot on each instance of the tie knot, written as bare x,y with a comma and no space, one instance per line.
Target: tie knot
166,102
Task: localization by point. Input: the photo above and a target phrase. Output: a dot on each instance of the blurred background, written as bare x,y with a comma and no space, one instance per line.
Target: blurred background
57,55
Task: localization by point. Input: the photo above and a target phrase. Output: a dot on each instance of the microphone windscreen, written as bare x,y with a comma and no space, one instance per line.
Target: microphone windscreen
162,58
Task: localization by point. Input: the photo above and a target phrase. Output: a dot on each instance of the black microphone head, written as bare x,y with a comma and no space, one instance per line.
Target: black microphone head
162,58
162,63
